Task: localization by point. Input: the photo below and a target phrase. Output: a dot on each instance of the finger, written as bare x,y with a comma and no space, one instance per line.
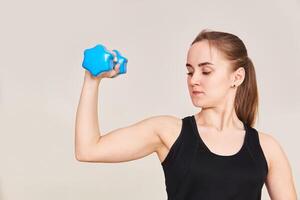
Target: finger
115,71
104,74
116,68
112,73
115,55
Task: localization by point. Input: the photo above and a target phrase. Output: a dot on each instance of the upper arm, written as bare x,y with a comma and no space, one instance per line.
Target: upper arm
127,143
279,181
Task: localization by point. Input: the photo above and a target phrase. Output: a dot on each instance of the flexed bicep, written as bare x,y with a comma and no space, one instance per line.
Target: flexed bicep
127,143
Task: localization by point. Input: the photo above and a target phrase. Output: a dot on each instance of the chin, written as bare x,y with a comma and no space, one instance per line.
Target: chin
197,103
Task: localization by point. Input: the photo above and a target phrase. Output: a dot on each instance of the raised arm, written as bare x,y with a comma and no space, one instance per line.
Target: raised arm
123,144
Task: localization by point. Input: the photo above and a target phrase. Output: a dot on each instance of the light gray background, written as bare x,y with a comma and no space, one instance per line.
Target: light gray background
41,50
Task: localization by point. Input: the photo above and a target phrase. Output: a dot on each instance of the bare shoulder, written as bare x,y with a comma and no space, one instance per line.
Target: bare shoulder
279,182
166,124
270,146
168,128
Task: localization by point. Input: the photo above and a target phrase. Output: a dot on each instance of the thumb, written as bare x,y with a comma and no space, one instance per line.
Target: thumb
115,71
117,67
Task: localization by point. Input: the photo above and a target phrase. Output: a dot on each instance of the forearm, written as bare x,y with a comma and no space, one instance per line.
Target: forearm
86,127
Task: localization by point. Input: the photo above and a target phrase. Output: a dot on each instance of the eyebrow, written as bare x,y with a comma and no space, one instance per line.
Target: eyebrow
200,64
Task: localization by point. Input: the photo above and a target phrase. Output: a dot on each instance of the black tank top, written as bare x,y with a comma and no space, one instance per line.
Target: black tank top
193,172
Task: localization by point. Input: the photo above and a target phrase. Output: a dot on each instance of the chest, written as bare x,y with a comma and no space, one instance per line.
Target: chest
225,171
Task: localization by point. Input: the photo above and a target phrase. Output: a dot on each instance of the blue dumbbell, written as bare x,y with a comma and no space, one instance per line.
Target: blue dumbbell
98,59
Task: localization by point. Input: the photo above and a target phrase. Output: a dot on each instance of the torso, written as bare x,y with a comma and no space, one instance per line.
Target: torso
171,128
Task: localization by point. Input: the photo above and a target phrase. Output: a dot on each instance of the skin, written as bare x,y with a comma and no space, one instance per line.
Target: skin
217,122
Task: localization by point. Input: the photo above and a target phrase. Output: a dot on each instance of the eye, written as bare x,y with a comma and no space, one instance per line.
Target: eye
205,73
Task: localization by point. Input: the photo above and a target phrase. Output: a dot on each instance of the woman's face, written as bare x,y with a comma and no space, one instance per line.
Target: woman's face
209,74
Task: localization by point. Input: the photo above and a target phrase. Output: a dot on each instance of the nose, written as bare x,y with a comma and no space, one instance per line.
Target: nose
195,79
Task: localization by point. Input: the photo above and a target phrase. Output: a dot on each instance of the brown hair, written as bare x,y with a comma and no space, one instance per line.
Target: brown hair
233,48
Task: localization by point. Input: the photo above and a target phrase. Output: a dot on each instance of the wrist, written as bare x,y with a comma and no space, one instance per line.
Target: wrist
90,79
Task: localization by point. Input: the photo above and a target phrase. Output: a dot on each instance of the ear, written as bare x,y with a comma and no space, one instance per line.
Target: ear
238,76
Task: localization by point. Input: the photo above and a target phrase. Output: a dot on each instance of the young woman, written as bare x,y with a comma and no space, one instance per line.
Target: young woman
215,154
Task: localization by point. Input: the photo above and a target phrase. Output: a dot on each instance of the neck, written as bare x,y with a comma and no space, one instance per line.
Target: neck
219,119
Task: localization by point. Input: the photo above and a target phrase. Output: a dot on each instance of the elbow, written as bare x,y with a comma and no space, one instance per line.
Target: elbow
80,156
83,158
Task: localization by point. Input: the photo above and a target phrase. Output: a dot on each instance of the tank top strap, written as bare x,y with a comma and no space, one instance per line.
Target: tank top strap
188,141
181,154
183,145
255,150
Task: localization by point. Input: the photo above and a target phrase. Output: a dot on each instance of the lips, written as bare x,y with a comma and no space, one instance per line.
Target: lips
195,91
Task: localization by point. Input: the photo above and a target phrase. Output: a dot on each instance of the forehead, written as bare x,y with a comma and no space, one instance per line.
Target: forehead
202,52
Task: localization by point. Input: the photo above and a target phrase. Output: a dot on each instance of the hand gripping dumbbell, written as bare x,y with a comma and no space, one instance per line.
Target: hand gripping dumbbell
98,59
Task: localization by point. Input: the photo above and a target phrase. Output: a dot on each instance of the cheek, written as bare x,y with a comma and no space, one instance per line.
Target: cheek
210,83
220,90
215,85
